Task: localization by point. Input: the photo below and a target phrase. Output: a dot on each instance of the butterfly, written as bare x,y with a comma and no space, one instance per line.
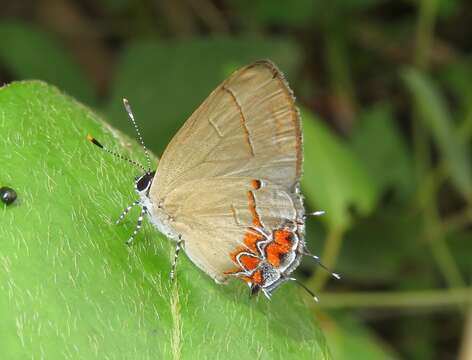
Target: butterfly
227,187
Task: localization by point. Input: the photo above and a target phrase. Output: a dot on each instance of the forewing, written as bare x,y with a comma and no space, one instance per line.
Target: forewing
214,214
248,126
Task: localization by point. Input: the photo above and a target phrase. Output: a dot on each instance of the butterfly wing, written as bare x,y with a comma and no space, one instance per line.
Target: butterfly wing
248,126
248,130
214,216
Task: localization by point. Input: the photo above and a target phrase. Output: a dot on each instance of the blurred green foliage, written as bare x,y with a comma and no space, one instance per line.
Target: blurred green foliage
341,175
31,53
386,92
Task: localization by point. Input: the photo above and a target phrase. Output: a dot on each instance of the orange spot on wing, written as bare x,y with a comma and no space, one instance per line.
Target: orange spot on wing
274,253
251,239
256,221
283,237
279,247
255,278
235,253
249,262
256,184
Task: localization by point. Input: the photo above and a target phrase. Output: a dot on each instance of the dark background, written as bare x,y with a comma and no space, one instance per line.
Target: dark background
385,89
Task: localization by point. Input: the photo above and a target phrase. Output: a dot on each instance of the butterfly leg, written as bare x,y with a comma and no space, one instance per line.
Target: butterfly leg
126,211
176,255
138,225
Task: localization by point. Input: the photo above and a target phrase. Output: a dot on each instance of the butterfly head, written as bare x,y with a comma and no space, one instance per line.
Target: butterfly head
143,183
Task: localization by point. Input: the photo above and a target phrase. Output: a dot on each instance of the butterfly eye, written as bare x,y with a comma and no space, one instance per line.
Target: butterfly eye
143,182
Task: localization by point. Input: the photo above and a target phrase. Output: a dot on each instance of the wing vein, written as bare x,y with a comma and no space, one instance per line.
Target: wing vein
242,117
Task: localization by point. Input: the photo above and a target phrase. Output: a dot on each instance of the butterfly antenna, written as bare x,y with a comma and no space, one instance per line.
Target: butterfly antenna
122,157
136,128
318,260
302,285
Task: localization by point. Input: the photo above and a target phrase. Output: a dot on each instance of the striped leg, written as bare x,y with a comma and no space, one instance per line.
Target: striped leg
176,255
125,212
138,225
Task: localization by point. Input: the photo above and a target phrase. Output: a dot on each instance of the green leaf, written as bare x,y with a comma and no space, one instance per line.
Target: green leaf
461,248
349,339
30,53
70,286
449,8
385,244
296,13
115,6
456,77
165,83
435,115
334,179
277,12
377,141
425,329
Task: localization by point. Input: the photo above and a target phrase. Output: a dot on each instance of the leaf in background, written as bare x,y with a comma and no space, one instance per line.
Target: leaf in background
30,53
461,248
295,13
378,248
276,12
457,78
115,6
435,115
349,339
448,8
334,179
70,286
417,333
165,83
377,141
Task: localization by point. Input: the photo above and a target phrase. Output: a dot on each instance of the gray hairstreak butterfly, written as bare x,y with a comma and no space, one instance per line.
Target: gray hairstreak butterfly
227,189
7,195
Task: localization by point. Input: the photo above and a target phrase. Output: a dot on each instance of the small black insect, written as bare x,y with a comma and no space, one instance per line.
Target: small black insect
7,195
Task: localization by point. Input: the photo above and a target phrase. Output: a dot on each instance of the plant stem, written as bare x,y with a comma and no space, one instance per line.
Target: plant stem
425,32
434,229
210,14
337,63
406,299
466,346
424,40
329,256
464,131
428,203
440,250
